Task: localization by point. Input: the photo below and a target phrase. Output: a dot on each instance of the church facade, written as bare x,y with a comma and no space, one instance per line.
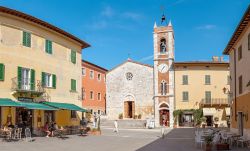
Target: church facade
138,90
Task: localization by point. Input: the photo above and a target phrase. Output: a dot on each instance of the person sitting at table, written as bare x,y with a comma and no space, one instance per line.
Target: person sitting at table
9,124
46,129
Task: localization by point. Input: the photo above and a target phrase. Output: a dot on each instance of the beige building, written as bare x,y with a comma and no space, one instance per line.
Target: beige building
238,50
199,85
38,63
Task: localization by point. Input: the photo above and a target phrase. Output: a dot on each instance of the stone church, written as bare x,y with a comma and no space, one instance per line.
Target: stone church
135,89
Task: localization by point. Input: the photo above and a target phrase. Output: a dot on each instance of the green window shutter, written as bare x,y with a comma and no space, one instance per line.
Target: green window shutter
32,79
19,77
73,56
48,46
26,39
54,81
73,85
43,79
2,72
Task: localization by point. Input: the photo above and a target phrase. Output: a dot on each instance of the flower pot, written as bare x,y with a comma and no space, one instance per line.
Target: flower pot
208,147
222,146
216,125
203,125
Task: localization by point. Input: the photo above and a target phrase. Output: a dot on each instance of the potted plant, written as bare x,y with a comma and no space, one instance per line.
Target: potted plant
139,116
120,116
216,120
203,121
135,116
208,141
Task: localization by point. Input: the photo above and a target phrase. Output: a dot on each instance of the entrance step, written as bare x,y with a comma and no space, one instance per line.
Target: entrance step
125,123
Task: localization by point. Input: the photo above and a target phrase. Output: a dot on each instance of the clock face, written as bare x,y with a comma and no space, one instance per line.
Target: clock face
163,68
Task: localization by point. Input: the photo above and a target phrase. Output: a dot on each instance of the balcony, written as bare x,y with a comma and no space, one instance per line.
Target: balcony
25,86
215,102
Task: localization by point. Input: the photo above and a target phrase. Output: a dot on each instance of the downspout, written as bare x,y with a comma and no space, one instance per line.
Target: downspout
235,86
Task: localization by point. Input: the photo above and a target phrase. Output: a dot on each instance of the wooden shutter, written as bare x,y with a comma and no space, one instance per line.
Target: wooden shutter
19,77
133,109
249,41
73,85
73,56
54,81
32,79
43,79
240,85
48,46
24,38
1,72
28,40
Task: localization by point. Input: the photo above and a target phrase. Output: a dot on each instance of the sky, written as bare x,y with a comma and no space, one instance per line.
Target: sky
122,29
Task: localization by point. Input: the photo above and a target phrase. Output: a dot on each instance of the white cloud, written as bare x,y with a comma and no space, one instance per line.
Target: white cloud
131,15
206,27
107,12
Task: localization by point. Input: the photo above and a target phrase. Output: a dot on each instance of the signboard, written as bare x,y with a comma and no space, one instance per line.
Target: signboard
24,99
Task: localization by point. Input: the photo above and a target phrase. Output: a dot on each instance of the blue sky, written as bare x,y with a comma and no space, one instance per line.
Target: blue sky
116,28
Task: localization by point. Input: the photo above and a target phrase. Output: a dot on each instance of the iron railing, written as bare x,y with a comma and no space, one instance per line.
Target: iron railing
25,84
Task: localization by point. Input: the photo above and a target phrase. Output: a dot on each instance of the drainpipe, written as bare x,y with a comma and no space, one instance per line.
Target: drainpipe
235,86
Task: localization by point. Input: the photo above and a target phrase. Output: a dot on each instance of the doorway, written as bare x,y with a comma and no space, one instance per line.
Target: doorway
164,117
240,123
49,116
24,118
209,120
129,109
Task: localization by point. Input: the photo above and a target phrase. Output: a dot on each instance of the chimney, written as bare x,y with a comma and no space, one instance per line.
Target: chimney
221,59
215,59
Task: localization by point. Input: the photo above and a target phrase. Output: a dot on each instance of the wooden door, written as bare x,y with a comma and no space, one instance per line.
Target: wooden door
133,109
126,107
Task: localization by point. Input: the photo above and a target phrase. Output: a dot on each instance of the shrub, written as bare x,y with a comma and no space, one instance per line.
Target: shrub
120,116
139,116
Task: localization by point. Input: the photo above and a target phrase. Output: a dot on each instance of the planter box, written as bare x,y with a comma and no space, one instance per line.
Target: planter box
222,146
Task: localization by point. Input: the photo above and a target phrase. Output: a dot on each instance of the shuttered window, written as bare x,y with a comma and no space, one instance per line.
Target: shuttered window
73,85
2,69
240,52
185,96
207,79
48,80
249,41
185,79
26,39
208,96
32,79
73,56
240,85
48,46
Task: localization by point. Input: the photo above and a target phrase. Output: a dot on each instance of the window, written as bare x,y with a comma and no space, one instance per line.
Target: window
163,88
73,114
163,46
2,72
91,74
48,80
99,77
26,78
240,52
228,80
249,41
185,96
83,71
185,79
240,85
26,39
73,56
208,97
99,96
99,112
73,85
48,46
207,80
129,76
91,95
83,94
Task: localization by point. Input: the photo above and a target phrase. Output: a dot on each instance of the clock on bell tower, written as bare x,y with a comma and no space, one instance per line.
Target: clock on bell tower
163,74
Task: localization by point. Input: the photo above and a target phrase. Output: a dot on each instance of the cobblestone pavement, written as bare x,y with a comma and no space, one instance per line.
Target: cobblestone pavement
125,140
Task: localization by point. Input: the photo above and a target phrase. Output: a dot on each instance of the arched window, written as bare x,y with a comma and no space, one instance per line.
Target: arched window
163,46
163,88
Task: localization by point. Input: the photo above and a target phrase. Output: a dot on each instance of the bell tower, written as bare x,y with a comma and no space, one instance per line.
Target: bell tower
163,36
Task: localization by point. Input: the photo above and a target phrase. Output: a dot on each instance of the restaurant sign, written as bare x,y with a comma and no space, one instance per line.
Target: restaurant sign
24,99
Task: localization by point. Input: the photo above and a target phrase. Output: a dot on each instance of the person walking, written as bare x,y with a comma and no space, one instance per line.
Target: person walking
163,129
116,126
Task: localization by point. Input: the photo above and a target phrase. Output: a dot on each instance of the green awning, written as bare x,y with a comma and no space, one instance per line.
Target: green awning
8,102
36,106
65,106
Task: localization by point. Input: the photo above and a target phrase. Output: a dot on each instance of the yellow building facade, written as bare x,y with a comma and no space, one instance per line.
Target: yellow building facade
199,85
38,63
238,50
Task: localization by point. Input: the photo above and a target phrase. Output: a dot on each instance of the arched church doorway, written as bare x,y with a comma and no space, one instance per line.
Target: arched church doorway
129,109
164,114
